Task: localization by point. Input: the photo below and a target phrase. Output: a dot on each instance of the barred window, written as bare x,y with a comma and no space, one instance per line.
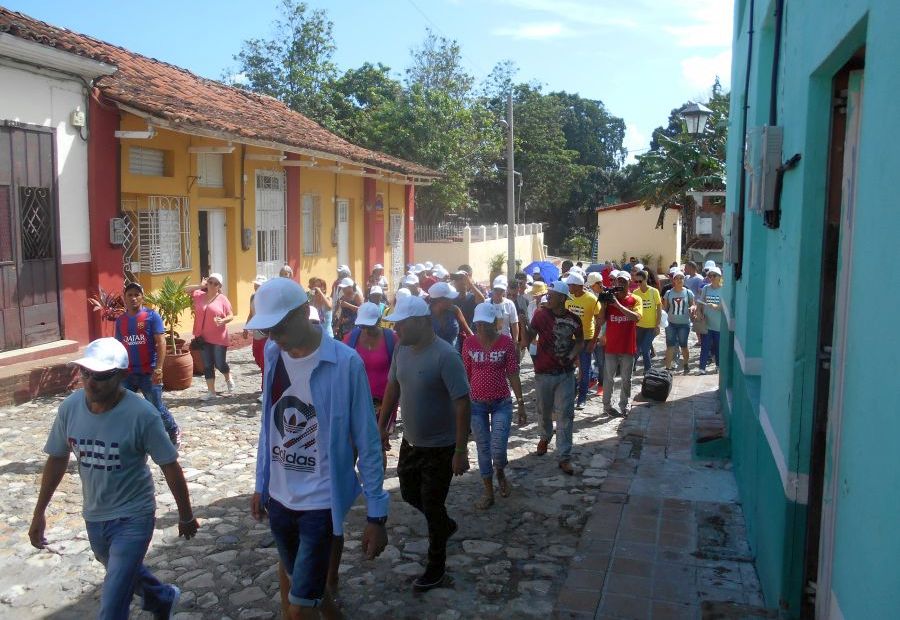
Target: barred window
312,224
160,234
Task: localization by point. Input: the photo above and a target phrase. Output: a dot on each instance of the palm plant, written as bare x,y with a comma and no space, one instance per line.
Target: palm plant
170,301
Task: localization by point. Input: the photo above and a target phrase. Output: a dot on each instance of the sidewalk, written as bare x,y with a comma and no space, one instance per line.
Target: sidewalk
666,536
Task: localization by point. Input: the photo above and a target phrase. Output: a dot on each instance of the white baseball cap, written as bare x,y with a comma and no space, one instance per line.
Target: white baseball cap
710,264
377,266
368,314
104,354
418,268
403,292
274,300
260,279
440,272
215,276
429,265
376,290
485,313
410,280
677,274
440,290
558,286
345,283
574,278
408,307
623,275
536,270
713,270
639,266
500,282
594,277
343,270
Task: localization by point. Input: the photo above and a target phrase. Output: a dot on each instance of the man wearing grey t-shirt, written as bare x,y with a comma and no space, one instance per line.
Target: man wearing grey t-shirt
428,378
111,431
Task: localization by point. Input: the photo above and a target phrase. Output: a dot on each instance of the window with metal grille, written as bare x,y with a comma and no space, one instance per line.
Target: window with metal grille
146,162
704,225
157,234
312,223
36,218
209,169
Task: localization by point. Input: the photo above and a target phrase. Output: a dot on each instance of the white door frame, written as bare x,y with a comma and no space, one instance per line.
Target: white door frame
826,605
342,231
217,242
270,222
396,230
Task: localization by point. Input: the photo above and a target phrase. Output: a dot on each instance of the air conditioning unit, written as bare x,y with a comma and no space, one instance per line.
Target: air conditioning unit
761,160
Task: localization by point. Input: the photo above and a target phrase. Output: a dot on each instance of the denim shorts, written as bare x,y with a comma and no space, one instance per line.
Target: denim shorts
677,334
303,538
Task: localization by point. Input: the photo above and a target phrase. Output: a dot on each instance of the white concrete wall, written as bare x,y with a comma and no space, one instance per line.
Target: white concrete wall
28,97
633,232
478,254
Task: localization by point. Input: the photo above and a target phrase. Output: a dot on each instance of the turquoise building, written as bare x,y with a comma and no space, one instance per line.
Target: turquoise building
810,379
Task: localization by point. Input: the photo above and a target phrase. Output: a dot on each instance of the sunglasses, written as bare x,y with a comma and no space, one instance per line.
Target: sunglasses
98,376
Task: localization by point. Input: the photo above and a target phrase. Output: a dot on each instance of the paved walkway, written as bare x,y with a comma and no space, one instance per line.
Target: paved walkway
666,536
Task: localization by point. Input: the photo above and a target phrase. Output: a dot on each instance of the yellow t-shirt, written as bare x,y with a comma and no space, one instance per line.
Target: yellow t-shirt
586,307
651,302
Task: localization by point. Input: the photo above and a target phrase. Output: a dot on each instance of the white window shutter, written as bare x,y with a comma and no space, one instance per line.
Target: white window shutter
210,170
146,162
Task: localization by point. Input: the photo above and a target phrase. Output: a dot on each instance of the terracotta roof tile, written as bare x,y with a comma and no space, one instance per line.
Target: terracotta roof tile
182,98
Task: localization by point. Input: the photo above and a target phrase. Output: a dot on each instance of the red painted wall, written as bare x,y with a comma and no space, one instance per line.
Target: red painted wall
409,235
293,220
103,204
75,281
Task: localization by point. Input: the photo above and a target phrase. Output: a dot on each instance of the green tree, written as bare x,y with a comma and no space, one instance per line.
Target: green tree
294,65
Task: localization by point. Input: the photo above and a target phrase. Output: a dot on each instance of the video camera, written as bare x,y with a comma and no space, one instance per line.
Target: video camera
607,294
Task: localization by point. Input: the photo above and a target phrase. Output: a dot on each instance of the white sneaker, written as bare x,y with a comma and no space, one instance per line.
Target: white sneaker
259,400
208,396
229,386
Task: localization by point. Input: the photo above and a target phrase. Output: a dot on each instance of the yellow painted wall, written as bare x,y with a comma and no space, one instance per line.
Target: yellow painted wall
633,232
394,196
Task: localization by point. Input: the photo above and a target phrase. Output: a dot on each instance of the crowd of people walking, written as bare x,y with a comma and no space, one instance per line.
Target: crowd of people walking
338,362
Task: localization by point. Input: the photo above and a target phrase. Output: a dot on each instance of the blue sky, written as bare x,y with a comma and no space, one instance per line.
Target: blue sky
640,57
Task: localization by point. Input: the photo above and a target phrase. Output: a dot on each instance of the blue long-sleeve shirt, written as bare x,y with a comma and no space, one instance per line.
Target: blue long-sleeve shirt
343,402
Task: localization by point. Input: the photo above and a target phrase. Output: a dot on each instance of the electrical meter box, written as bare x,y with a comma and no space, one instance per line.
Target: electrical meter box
762,160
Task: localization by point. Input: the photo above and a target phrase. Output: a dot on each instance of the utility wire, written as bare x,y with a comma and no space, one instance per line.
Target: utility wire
472,66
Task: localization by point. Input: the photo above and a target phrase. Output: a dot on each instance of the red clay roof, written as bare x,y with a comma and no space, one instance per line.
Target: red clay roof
702,243
626,205
176,95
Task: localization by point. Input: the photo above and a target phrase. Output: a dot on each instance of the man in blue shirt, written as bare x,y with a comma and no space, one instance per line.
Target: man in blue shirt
317,408
141,330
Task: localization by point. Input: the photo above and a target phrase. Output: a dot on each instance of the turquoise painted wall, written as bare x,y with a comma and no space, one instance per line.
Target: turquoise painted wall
775,310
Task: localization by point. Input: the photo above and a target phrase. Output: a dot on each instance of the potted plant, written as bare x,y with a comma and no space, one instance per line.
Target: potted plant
110,305
171,300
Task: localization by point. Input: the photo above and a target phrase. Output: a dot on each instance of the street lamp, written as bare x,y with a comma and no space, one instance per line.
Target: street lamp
695,116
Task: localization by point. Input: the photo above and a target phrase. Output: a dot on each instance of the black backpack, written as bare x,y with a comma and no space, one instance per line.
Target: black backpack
657,384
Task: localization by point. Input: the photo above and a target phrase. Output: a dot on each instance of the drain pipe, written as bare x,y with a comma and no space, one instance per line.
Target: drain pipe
742,189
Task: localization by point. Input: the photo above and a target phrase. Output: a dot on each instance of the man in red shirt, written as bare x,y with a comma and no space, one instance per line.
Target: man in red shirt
560,339
621,315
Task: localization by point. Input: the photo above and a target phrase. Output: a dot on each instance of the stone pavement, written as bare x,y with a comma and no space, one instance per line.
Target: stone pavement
666,536
528,556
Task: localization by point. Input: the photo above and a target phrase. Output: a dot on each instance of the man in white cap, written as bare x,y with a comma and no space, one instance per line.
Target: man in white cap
428,379
305,474
411,283
505,308
585,306
621,314
376,278
560,340
111,431
343,271
426,276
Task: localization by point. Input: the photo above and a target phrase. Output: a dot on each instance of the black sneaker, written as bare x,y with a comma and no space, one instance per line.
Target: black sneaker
431,580
454,527
579,406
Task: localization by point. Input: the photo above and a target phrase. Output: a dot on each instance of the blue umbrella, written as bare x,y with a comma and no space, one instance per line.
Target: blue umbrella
598,267
549,271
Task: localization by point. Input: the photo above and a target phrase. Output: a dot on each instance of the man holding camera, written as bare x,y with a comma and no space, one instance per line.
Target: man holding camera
622,312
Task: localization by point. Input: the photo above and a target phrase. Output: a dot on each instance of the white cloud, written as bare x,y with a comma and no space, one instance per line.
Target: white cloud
708,23
535,31
237,79
583,12
636,141
701,71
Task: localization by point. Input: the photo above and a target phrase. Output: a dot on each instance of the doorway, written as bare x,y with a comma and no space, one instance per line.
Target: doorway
836,273
343,231
398,268
270,222
213,243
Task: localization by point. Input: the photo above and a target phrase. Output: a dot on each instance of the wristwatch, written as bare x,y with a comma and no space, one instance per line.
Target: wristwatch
377,520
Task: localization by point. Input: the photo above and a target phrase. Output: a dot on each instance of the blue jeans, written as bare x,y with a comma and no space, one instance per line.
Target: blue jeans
709,348
120,545
584,375
153,393
557,393
491,421
599,357
303,538
214,357
645,337
677,334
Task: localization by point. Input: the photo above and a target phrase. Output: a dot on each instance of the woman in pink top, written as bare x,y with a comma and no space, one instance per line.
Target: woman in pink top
492,366
212,314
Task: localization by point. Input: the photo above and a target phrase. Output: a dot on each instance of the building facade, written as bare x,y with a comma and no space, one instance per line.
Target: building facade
809,388
629,229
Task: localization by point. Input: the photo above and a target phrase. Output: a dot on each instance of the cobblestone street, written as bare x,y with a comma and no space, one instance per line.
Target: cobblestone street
508,560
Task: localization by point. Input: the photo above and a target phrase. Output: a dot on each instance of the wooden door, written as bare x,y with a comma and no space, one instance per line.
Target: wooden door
29,278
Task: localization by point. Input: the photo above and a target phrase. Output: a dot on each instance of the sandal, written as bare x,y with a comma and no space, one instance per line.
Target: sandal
485,502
